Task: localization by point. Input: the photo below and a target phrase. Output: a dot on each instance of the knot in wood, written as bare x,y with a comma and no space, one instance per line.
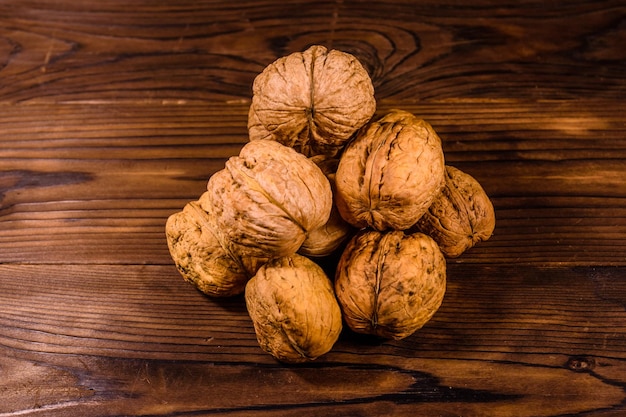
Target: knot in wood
581,363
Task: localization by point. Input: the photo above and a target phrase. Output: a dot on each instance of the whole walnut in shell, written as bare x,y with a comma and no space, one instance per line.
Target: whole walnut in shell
312,101
267,199
390,173
389,284
199,256
461,216
293,308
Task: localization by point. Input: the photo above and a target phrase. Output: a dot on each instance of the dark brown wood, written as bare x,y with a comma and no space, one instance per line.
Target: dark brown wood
136,340
210,51
555,172
113,116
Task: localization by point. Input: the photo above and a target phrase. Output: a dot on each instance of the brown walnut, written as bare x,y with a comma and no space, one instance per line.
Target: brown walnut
390,284
312,101
266,200
461,216
390,173
293,308
199,256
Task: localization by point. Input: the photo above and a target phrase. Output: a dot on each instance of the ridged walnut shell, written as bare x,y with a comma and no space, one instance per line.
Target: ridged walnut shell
267,199
312,101
461,216
390,284
390,173
199,256
293,308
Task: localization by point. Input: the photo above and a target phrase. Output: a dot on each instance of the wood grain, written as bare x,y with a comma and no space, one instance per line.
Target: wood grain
118,171
187,51
507,341
113,116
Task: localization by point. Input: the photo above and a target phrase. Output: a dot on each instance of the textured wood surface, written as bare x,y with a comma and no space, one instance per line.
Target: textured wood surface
113,116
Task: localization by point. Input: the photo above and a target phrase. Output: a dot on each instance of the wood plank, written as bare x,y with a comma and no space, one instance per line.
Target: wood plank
209,51
137,340
81,184
147,311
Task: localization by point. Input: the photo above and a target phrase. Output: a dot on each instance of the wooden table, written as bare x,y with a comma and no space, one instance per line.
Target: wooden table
114,114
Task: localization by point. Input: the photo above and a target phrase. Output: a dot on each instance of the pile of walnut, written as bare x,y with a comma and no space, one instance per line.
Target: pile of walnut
321,176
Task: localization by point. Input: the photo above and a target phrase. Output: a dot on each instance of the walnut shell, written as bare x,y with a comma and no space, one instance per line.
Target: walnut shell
390,173
390,284
326,239
293,308
250,264
198,255
461,216
312,101
266,200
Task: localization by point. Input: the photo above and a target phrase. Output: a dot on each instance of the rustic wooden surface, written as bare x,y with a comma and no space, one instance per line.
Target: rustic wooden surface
114,114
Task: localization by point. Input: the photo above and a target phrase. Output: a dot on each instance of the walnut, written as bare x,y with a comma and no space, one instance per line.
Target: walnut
389,284
461,216
312,101
390,173
293,308
266,200
326,239
199,256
